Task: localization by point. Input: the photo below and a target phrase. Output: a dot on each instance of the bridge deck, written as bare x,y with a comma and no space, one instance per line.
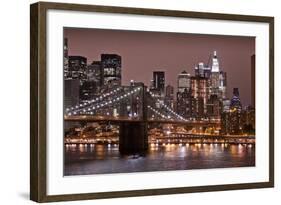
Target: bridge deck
85,118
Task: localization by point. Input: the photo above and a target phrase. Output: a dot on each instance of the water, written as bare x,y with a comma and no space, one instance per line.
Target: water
102,159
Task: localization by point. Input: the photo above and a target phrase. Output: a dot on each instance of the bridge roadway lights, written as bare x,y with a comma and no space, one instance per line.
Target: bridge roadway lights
133,138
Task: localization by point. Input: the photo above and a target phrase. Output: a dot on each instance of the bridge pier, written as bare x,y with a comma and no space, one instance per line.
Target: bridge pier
133,138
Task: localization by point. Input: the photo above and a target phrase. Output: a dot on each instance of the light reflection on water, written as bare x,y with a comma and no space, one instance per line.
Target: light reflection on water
101,159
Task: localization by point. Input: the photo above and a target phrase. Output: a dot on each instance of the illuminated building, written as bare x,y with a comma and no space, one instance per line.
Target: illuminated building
157,87
226,105
222,85
198,108
169,96
215,63
214,87
183,81
111,70
213,107
159,81
235,122
71,92
200,91
207,83
94,72
225,122
251,116
217,78
248,120
87,90
185,104
202,70
65,57
77,67
71,98
232,120
235,102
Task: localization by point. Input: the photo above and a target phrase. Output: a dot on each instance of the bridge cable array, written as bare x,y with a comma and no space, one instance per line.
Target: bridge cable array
90,106
98,103
170,111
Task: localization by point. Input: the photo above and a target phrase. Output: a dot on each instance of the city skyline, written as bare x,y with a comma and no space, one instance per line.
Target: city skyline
93,54
118,103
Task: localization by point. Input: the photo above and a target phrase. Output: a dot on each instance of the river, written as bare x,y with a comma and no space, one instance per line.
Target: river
102,159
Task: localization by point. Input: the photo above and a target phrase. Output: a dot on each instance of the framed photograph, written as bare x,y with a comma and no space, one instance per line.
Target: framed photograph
134,102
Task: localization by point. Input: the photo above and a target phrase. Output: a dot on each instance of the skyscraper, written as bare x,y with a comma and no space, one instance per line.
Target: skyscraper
183,81
200,91
213,107
249,117
235,103
202,70
222,85
77,67
215,63
232,119
169,96
169,91
217,79
159,81
215,76
87,90
185,104
111,69
71,92
94,72
226,105
231,122
65,57
70,99
207,87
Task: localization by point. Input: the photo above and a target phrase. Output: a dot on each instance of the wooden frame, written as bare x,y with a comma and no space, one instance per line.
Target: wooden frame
38,101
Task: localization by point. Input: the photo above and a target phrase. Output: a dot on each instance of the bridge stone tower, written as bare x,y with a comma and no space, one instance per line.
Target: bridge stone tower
133,135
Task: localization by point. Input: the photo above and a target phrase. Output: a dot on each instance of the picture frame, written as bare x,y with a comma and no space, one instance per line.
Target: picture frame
39,91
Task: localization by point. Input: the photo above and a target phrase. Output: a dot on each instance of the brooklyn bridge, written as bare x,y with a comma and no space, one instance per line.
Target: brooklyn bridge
132,108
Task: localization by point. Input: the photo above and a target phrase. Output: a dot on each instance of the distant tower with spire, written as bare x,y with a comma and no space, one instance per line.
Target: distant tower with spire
215,63
218,78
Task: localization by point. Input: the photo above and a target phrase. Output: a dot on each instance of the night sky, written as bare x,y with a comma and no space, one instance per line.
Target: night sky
144,52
